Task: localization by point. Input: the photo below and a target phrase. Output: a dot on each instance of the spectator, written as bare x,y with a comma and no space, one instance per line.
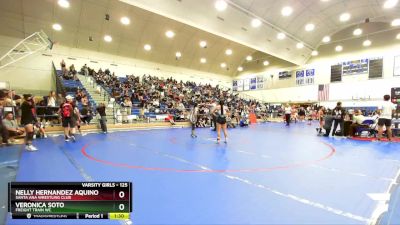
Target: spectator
51,99
127,109
12,127
101,109
385,111
59,99
358,120
288,112
86,114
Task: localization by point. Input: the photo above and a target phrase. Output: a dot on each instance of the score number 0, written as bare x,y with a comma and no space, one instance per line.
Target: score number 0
121,194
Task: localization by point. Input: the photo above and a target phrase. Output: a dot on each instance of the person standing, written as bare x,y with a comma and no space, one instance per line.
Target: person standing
28,120
66,112
321,114
385,111
101,110
288,112
193,116
220,112
328,120
213,105
338,118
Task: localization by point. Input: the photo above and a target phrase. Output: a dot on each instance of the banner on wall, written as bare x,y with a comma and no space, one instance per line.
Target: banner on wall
235,85
260,82
253,83
310,76
396,68
246,85
300,77
240,85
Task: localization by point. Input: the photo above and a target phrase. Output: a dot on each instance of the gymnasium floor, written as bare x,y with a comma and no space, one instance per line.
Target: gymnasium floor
266,174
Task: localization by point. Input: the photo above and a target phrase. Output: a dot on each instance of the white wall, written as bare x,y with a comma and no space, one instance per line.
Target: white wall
127,66
356,86
32,74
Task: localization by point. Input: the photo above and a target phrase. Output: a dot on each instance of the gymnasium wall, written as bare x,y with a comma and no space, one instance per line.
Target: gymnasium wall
354,86
33,74
126,66
30,75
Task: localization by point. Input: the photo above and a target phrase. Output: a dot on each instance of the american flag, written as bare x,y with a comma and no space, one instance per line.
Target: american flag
323,92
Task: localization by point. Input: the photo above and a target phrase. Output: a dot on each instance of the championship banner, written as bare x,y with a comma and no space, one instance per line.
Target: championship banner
260,82
309,80
240,85
246,85
253,83
300,77
235,85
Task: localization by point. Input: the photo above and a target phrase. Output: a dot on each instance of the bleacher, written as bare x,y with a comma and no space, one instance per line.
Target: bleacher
71,86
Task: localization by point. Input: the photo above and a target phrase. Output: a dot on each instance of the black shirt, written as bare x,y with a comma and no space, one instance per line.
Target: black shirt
101,110
27,116
339,112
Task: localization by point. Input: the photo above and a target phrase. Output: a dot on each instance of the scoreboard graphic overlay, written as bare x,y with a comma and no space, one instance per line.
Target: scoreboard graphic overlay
70,200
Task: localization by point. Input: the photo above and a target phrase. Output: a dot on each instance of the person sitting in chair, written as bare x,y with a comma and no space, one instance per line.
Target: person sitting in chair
12,126
358,120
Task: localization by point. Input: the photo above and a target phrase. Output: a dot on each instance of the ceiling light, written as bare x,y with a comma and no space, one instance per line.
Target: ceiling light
107,38
147,47
223,65
57,27
390,4
325,0
203,44
339,48
203,60
299,45
367,43
326,39
178,54
240,68
265,63
396,22
286,11
63,3
398,36
170,34
281,36
309,27
125,20
228,52
249,58
314,53
255,22
357,32
344,17
221,5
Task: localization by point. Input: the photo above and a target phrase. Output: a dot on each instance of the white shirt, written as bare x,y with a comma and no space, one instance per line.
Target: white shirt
288,110
51,102
358,119
386,108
